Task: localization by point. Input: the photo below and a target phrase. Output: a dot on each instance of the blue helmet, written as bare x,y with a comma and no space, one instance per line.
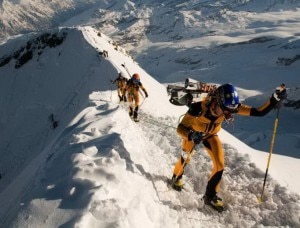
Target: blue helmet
228,97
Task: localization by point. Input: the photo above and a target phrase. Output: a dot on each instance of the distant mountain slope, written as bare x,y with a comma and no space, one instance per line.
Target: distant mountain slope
127,16
25,16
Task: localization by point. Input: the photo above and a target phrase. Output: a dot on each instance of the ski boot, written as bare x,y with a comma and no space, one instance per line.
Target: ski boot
214,202
130,112
177,184
121,98
135,114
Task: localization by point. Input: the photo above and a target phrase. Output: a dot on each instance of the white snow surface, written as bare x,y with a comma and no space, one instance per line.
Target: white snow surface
98,168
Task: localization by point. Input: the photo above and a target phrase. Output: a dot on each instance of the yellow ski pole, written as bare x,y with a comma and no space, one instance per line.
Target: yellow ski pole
270,154
183,165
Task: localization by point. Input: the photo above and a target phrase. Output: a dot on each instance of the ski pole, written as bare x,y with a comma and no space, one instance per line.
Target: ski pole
270,154
183,165
123,65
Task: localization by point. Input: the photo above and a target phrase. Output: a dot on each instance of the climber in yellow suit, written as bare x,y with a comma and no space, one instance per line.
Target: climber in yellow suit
133,88
121,83
203,121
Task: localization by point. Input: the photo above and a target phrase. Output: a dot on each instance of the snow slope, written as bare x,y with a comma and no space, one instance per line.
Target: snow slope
100,169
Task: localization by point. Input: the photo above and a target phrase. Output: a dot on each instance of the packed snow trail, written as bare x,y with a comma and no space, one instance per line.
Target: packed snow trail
242,180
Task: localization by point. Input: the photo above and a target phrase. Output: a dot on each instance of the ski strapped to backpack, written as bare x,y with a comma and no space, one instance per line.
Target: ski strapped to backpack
184,95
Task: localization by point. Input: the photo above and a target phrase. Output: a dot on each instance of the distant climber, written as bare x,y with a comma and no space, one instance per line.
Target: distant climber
121,83
103,53
133,88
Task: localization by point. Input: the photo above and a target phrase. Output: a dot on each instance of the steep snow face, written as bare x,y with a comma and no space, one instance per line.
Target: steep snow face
33,87
50,73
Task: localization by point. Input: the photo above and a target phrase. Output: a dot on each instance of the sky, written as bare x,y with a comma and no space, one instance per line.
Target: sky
98,168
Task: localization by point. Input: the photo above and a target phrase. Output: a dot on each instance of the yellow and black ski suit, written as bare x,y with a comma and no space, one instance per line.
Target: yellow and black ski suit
121,83
199,118
133,89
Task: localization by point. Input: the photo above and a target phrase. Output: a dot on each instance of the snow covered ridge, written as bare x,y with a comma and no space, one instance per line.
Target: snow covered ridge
33,47
35,44
53,76
40,64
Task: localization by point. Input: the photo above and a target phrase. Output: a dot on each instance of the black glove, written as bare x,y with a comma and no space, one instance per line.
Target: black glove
195,136
280,93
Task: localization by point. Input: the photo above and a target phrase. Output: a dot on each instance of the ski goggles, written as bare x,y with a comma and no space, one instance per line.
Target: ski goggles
232,108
